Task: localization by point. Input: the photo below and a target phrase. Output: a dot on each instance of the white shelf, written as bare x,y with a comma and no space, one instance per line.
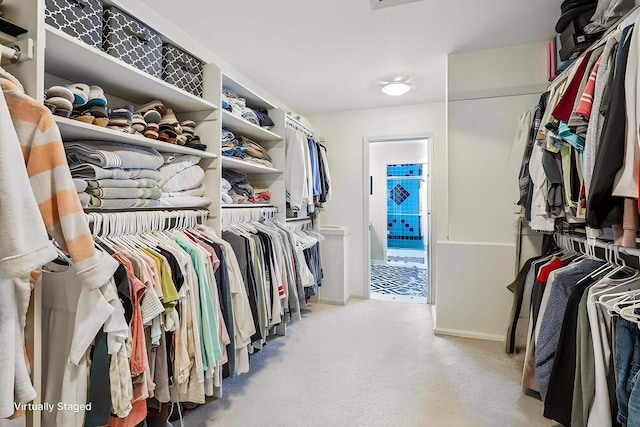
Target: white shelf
242,127
245,206
76,130
74,60
246,167
253,100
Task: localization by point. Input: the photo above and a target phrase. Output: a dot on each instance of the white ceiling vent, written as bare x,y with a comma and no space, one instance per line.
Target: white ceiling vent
381,4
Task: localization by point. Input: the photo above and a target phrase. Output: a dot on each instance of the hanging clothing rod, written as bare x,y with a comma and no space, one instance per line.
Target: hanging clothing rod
599,249
293,123
139,222
241,215
12,53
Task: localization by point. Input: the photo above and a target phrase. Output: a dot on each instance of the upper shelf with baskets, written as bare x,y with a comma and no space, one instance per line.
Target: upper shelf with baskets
70,58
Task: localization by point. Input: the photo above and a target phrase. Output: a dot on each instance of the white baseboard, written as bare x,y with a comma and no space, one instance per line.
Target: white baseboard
468,334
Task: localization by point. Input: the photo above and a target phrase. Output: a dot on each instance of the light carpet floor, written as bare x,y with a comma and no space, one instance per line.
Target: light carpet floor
373,363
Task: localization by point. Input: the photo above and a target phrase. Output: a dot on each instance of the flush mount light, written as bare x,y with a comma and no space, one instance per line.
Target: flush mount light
396,87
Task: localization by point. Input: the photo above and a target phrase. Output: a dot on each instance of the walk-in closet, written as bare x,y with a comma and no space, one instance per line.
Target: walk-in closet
300,213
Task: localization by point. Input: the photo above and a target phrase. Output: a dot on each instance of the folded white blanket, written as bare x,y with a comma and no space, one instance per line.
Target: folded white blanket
112,155
197,192
122,183
178,165
185,180
184,202
126,193
89,171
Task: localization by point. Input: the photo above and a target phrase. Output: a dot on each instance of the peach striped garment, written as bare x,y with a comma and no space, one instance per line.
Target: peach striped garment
53,186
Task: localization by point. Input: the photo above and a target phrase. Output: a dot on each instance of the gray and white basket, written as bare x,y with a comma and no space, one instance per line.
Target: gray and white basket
181,69
81,19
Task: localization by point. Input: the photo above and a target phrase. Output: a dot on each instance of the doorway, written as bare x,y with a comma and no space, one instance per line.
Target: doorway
399,220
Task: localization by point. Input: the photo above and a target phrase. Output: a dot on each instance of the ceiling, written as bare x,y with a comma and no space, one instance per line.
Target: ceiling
330,55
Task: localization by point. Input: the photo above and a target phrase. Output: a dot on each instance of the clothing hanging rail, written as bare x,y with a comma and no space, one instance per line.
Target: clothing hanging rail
295,124
631,14
139,222
237,216
599,249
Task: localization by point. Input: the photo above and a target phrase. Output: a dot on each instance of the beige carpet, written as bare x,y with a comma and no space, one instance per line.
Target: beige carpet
373,363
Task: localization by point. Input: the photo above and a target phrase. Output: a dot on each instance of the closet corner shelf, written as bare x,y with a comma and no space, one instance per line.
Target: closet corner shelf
246,167
76,61
245,206
253,100
75,130
241,127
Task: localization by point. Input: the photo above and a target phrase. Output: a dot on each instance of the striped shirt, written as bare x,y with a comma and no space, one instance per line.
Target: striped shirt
586,101
53,187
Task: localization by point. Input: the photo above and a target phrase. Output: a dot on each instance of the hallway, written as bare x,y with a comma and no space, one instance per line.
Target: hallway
373,363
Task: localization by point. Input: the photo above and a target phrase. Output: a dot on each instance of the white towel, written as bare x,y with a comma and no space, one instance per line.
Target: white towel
126,193
187,179
122,183
89,171
197,192
98,203
184,202
178,165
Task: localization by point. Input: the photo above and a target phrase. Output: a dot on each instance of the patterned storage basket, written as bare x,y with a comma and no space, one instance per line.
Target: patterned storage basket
181,69
129,40
81,19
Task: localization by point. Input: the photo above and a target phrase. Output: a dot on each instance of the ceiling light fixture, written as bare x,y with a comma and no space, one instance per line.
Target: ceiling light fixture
396,87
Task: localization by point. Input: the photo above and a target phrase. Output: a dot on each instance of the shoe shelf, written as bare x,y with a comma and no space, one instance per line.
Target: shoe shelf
242,127
246,167
70,58
76,130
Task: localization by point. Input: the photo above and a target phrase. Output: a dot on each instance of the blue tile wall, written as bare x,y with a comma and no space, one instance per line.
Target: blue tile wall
404,225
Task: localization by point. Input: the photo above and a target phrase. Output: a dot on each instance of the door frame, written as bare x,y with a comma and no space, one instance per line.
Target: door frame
366,141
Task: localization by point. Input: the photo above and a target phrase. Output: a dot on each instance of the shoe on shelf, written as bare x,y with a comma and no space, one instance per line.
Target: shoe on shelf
96,97
60,92
81,94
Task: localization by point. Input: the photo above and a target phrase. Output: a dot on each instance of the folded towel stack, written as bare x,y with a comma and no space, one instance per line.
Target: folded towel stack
115,176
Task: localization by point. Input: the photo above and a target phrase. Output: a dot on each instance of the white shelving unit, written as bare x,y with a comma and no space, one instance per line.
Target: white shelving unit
246,205
74,60
76,130
271,140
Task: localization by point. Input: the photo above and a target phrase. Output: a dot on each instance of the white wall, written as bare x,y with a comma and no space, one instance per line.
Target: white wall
344,133
380,155
488,91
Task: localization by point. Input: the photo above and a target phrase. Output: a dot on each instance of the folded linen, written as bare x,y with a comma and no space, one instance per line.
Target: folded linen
122,183
98,203
85,199
112,155
251,117
89,171
225,198
184,202
187,179
178,165
126,193
80,184
196,192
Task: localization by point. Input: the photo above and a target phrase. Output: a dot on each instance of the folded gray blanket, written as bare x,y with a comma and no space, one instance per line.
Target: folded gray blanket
80,185
112,155
126,193
121,183
98,203
85,199
89,171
